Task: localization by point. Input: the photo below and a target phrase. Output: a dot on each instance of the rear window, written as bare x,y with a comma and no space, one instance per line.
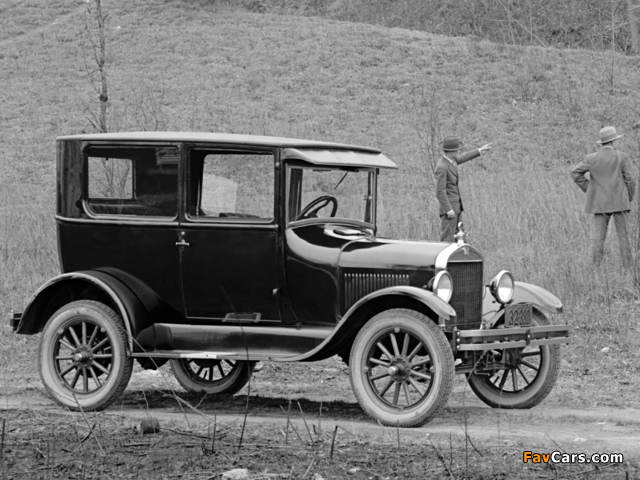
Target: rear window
132,181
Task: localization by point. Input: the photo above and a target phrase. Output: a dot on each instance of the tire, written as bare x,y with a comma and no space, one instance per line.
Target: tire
533,372
401,368
216,377
83,356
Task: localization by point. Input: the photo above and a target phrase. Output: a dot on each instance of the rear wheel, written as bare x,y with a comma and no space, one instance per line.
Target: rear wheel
212,376
528,376
83,357
401,368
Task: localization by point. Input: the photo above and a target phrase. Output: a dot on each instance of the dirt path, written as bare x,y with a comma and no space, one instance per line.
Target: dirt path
542,429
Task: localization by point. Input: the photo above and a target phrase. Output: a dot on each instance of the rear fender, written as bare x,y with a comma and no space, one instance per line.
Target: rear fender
135,302
339,341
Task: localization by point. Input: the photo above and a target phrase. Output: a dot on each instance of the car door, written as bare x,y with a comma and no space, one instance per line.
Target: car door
228,238
129,220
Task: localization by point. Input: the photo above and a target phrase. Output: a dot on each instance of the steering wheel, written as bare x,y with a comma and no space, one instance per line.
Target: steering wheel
318,204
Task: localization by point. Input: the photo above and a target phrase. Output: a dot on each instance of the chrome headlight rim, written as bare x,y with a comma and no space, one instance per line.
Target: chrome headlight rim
503,294
439,285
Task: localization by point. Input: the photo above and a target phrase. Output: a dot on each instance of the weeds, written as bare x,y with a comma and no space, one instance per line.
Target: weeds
528,73
173,451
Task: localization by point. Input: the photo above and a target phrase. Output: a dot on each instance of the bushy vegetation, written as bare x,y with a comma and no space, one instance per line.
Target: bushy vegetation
592,24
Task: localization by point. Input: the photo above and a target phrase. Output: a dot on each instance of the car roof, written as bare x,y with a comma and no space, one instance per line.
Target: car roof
312,151
230,138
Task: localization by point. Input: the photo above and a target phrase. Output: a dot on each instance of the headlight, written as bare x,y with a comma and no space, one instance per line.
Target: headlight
442,285
501,287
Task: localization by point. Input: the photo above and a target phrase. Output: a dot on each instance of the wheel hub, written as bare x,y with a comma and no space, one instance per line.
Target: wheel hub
399,369
512,357
83,357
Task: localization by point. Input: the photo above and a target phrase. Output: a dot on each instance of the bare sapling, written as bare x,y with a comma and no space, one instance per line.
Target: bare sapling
98,75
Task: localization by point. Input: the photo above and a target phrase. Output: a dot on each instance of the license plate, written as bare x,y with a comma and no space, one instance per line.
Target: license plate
518,315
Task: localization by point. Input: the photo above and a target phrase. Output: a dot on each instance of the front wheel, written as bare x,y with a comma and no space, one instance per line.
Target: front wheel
212,376
401,368
83,357
527,377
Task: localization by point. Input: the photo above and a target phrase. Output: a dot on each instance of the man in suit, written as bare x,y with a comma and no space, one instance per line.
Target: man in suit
447,190
610,189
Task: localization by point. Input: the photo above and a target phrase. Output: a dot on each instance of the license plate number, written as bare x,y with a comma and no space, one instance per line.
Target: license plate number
518,315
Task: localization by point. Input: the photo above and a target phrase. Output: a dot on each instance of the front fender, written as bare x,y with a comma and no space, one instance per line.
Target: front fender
542,299
527,293
359,313
429,299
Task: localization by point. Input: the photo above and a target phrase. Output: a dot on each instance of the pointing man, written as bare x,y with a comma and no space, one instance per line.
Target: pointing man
447,190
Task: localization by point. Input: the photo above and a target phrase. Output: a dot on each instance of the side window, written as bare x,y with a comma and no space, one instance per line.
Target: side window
231,185
132,181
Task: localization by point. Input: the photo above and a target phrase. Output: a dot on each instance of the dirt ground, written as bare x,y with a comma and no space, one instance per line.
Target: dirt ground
330,436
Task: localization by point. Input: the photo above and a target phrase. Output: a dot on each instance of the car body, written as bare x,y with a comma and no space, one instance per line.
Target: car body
215,251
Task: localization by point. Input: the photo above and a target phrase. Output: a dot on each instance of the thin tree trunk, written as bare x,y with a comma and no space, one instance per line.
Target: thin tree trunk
632,14
101,59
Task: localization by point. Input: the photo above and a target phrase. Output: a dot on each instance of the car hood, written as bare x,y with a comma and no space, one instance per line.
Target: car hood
390,254
354,248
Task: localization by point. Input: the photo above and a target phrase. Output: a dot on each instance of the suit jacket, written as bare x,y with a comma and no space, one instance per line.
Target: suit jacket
447,191
610,186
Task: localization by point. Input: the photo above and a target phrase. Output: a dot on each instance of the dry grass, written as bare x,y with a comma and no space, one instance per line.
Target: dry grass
181,67
59,445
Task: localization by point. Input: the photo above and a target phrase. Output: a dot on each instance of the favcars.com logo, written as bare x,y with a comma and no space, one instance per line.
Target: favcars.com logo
559,457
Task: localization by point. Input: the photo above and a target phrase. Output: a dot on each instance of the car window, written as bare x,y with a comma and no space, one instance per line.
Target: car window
314,193
132,181
231,186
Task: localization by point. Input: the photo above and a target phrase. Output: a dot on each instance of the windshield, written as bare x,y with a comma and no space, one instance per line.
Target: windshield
345,193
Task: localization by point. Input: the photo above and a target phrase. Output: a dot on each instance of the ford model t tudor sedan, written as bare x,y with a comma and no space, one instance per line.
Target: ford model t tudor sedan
214,251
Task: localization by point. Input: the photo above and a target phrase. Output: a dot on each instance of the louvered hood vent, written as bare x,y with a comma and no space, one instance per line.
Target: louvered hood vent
357,285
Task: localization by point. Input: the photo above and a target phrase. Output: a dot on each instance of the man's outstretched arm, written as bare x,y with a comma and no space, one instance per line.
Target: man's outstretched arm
471,154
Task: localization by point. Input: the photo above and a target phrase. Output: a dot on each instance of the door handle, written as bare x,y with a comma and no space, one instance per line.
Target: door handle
182,243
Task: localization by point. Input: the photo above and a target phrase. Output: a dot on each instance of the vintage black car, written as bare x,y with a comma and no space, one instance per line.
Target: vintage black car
216,251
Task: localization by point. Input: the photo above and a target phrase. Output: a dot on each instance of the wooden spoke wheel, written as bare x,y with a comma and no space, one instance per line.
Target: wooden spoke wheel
401,368
528,376
214,376
83,357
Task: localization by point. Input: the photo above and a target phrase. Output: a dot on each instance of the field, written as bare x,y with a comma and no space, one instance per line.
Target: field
186,65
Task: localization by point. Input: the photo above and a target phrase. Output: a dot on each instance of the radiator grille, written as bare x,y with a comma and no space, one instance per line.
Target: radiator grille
467,294
357,285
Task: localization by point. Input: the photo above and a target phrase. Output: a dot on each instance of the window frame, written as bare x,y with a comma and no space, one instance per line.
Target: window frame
229,150
127,218
372,187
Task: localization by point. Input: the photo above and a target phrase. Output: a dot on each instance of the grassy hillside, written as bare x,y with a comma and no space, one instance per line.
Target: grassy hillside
567,24
176,65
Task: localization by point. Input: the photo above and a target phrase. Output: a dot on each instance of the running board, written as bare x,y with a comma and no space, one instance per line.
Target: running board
177,354
254,356
164,340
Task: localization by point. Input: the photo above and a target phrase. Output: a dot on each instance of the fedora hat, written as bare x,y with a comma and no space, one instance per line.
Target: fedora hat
608,134
451,144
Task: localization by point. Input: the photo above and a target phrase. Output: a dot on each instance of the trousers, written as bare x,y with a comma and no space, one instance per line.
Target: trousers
601,223
448,227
